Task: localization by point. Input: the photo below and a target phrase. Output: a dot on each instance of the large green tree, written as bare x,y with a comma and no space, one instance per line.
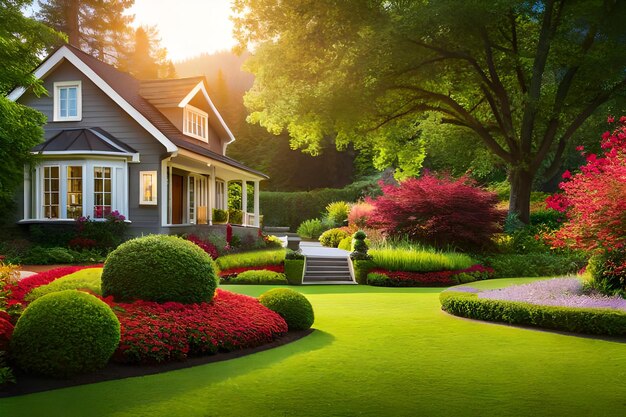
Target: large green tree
22,40
521,76
97,27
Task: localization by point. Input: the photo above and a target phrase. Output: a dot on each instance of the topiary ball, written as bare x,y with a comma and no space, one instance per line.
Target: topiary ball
291,305
159,268
65,333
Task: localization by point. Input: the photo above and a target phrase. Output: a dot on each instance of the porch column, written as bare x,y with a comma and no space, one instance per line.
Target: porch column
27,192
211,203
257,214
244,202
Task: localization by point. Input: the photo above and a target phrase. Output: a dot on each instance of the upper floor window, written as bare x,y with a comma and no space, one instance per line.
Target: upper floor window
196,123
67,101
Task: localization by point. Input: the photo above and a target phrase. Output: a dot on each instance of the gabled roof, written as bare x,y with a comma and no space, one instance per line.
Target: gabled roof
168,93
125,90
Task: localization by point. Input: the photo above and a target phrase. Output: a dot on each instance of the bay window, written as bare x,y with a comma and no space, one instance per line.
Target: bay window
67,190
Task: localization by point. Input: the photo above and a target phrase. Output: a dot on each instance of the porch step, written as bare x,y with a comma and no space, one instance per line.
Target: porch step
322,270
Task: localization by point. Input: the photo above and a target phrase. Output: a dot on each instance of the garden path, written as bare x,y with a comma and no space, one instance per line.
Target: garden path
316,249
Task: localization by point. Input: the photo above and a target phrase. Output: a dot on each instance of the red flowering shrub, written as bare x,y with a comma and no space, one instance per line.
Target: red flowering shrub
438,211
229,234
26,285
594,200
153,332
206,246
383,278
6,330
237,271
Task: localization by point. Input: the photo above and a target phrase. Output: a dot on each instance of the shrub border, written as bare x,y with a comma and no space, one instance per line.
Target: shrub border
577,320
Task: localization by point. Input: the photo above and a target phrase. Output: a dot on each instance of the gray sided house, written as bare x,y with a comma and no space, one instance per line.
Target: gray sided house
155,150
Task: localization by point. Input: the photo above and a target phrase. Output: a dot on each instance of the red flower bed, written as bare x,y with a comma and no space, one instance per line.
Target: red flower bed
439,278
153,332
26,285
237,271
6,330
208,247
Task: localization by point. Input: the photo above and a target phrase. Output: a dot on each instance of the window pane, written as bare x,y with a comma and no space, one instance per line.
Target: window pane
74,192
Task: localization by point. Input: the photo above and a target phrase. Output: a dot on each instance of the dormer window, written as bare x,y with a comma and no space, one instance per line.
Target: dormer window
196,123
67,101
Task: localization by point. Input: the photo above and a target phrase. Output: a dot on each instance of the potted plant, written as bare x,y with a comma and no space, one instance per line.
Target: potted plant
220,216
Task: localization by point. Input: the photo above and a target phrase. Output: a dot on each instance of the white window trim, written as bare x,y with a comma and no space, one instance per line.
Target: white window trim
189,108
155,188
56,115
119,201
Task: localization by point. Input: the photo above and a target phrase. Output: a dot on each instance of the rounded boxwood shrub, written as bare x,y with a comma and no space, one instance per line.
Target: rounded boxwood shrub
261,277
159,268
65,333
291,305
331,238
346,243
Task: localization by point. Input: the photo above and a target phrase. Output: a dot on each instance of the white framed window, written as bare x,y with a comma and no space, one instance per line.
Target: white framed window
196,123
102,191
74,189
148,188
67,101
51,192
67,190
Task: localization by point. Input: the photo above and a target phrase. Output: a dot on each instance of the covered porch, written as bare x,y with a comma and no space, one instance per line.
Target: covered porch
195,192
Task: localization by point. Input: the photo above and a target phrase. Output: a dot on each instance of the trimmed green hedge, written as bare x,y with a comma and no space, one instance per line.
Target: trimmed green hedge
159,268
361,269
291,305
294,268
292,208
65,333
577,320
259,277
86,279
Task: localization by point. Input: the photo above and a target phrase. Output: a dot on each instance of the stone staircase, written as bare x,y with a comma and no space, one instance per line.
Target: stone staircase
327,270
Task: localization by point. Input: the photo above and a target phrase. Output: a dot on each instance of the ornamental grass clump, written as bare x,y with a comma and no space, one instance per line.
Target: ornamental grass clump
420,260
251,259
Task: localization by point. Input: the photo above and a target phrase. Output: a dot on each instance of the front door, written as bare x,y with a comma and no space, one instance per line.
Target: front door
177,199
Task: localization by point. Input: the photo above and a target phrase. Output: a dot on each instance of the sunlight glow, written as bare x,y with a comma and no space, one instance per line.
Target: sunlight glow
188,27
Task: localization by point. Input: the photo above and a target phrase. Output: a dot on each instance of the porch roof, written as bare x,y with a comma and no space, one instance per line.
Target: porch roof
89,140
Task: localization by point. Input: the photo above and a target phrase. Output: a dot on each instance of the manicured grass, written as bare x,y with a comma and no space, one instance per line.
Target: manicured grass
377,352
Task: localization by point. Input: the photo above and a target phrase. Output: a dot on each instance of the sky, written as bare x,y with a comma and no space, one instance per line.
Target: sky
188,27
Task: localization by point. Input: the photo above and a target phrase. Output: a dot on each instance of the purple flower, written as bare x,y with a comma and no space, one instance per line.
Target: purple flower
564,292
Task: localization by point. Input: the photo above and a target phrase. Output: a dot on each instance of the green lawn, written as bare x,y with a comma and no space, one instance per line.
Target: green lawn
377,352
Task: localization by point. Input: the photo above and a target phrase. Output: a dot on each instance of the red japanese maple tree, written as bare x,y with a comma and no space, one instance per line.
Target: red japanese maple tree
440,211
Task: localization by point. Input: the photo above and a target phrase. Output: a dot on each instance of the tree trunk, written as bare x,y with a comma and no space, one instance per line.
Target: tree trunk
73,29
521,181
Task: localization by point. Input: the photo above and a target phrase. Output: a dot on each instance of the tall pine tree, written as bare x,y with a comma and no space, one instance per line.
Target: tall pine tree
97,27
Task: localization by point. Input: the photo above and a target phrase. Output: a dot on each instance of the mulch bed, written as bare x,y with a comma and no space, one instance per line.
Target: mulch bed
28,384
